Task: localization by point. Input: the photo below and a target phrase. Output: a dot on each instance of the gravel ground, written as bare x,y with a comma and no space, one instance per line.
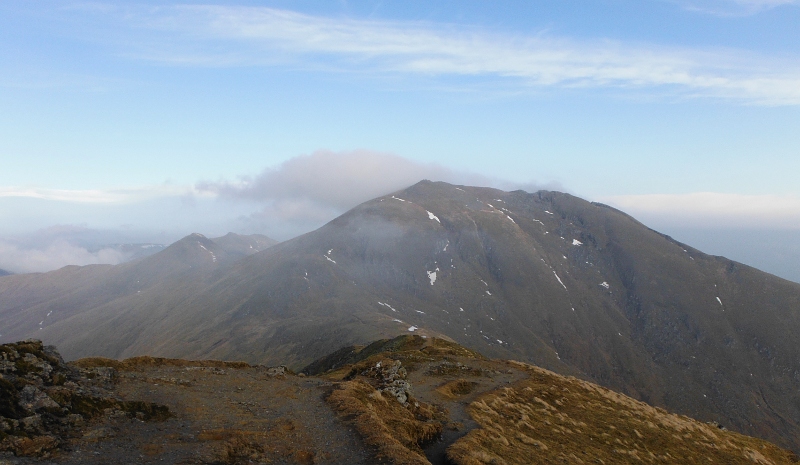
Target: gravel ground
243,415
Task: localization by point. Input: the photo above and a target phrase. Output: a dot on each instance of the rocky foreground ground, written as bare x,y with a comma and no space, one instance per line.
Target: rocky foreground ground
408,400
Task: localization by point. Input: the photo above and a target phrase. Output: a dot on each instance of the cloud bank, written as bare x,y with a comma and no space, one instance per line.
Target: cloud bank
713,210
221,36
339,180
57,254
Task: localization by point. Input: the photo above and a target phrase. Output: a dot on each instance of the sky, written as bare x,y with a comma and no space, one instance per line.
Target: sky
146,121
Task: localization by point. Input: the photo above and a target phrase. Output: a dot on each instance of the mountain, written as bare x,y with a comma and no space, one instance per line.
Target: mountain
4,272
241,246
547,278
131,251
32,303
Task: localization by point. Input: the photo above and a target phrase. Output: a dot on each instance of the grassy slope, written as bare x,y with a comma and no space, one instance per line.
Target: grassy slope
548,418
542,418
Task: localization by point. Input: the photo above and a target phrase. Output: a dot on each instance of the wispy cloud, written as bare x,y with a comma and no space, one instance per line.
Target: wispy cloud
98,196
713,210
237,36
733,7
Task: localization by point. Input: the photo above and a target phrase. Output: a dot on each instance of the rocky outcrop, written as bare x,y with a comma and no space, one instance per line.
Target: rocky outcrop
44,401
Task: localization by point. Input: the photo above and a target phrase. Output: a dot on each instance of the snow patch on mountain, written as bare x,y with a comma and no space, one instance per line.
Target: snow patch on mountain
387,306
559,279
432,275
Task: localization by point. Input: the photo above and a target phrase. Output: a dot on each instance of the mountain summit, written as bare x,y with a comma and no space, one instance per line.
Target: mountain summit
576,287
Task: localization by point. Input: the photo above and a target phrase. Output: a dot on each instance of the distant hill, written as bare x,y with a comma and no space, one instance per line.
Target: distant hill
33,303
241,246
4,272
547,278
133,251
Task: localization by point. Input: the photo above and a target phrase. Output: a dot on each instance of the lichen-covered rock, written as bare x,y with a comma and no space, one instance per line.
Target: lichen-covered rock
43,400
32,399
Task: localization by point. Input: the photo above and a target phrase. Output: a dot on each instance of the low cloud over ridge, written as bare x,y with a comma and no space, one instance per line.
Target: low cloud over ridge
306,191
338,180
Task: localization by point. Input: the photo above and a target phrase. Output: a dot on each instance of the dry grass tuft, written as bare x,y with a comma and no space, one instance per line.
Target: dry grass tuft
396,432
549,418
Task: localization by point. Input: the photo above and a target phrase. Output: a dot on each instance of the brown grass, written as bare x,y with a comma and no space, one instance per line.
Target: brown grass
394,431
440,347
554,419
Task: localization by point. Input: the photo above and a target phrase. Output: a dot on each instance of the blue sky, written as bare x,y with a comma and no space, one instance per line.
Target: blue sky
132,117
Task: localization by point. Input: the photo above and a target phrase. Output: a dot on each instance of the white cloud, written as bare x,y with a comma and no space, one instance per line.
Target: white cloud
306,191
712,210
338,180
230,36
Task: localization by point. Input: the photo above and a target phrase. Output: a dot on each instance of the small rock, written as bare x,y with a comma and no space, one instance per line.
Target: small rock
31,424
278,371
32,399
75,420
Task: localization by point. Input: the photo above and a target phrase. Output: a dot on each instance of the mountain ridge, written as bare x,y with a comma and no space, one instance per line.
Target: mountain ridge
578,288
